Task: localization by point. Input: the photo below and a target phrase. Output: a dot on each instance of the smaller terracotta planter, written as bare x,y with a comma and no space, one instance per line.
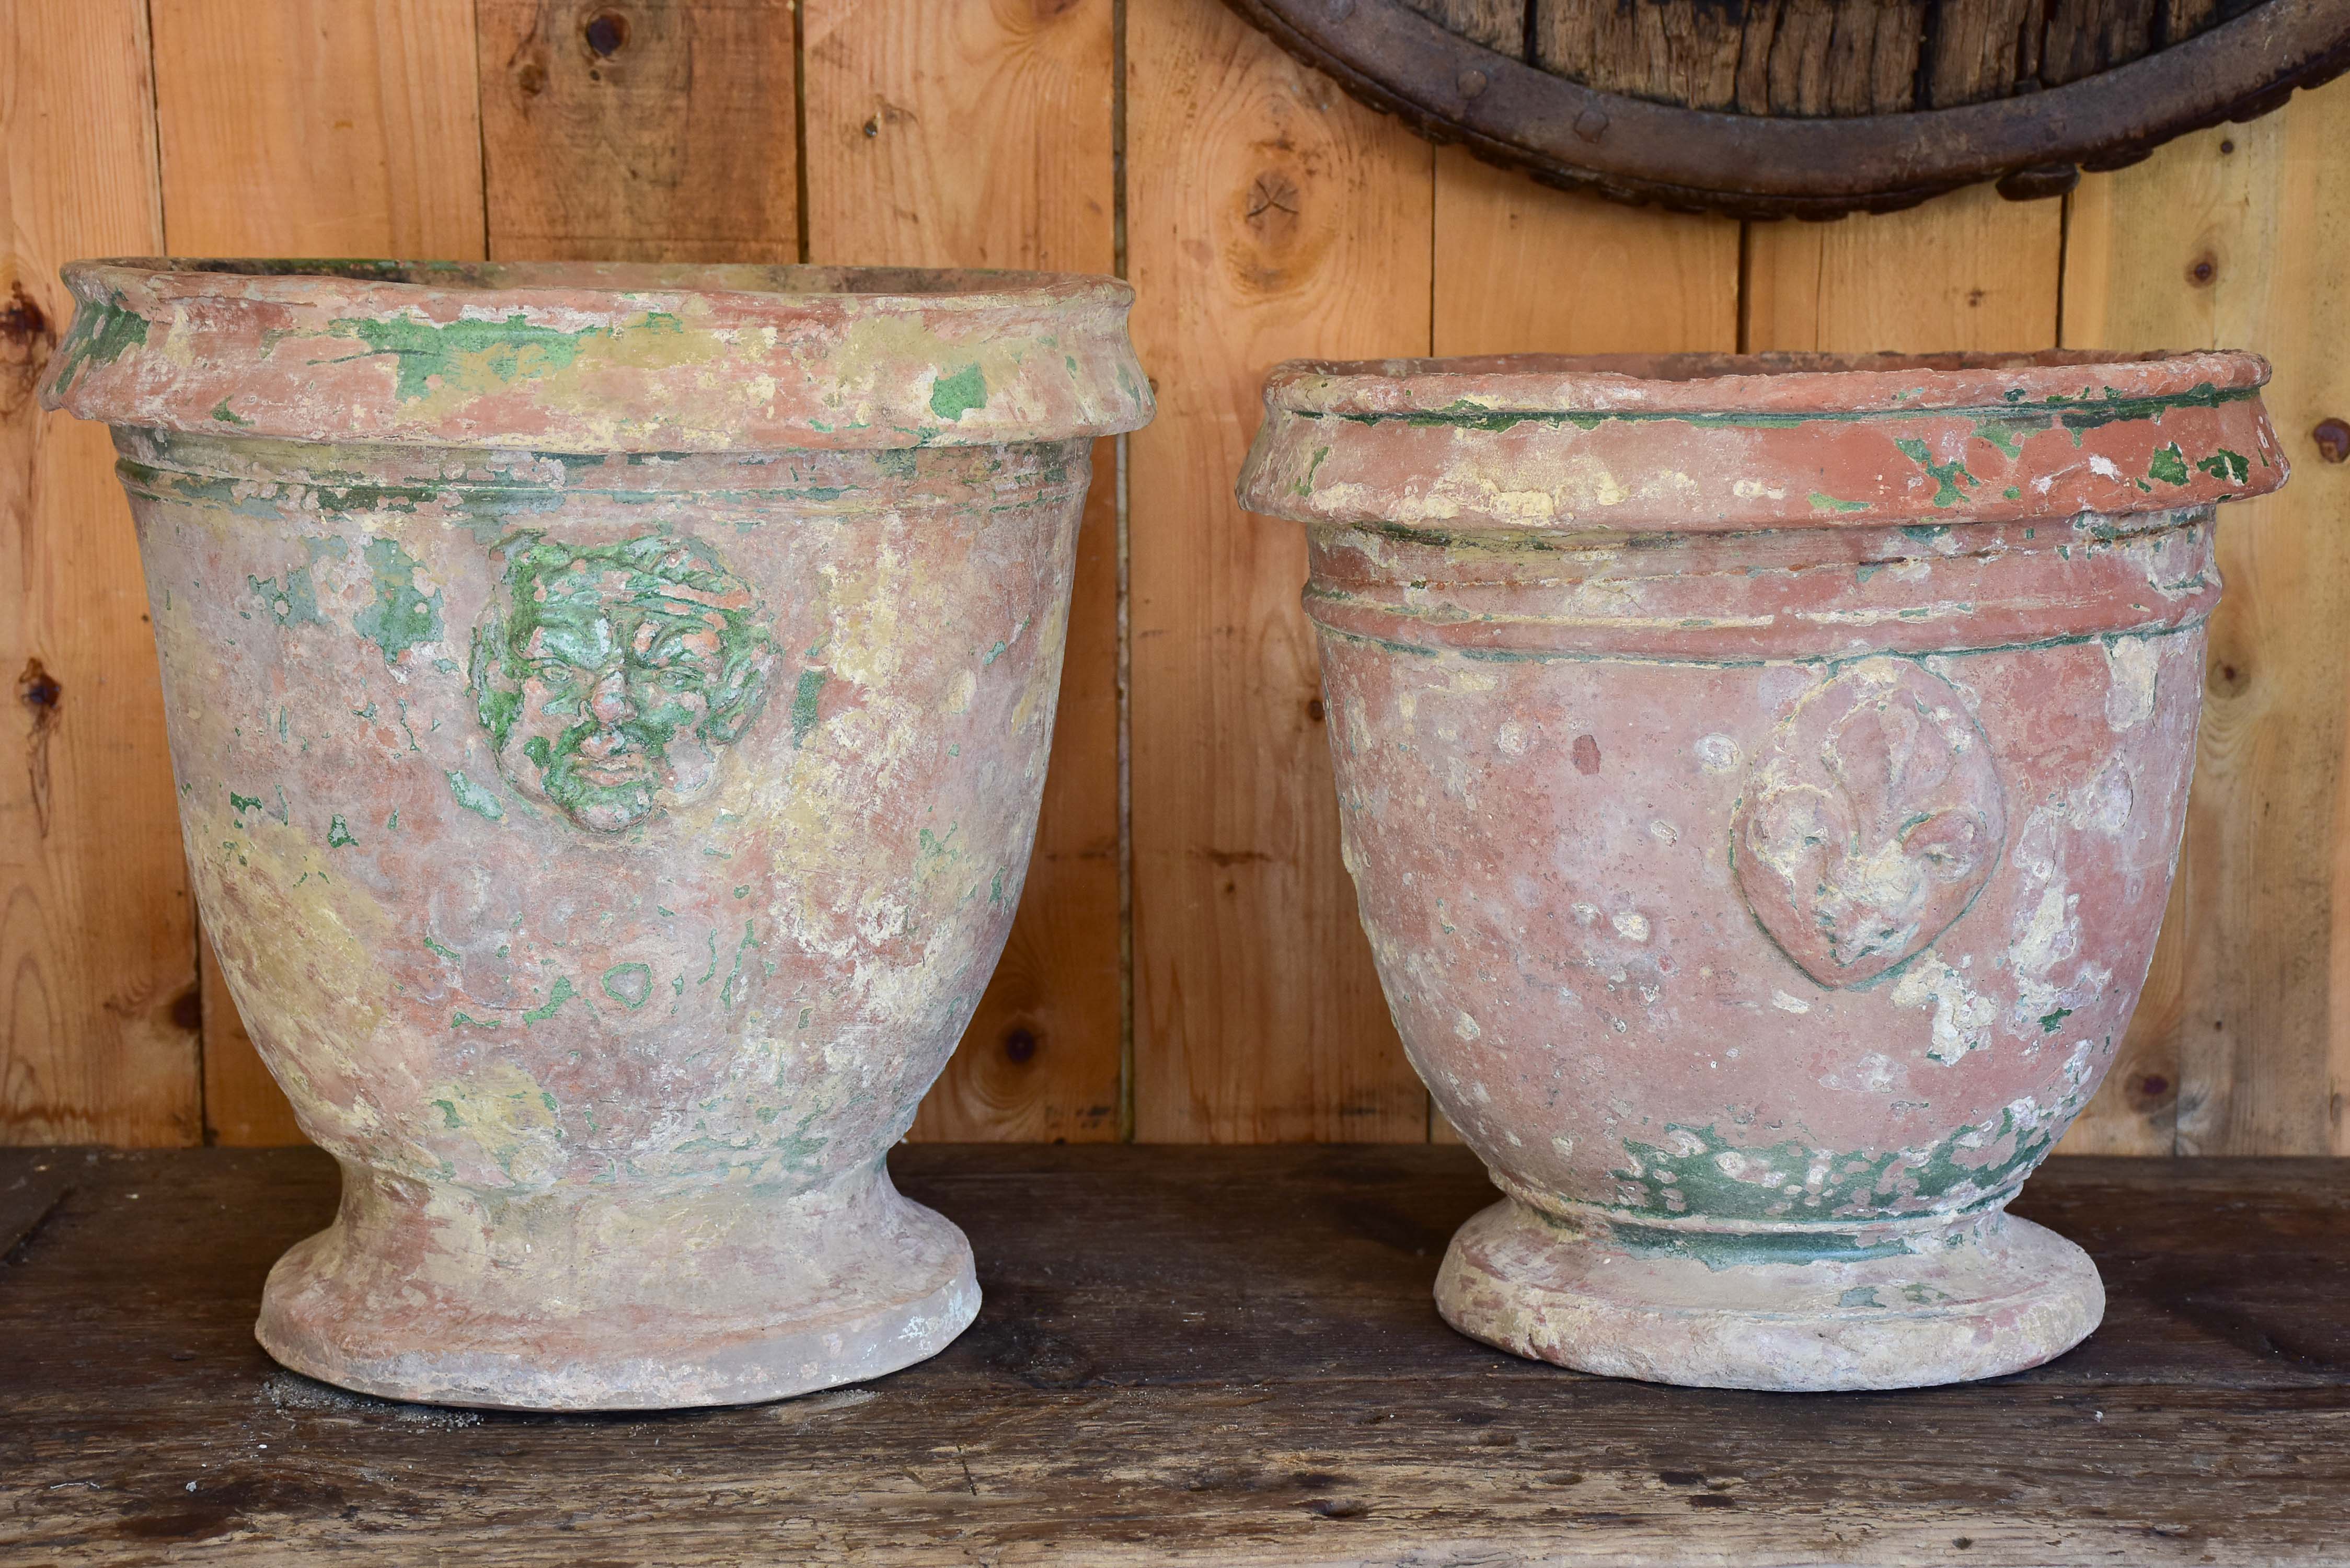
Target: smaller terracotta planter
610,706
1761,779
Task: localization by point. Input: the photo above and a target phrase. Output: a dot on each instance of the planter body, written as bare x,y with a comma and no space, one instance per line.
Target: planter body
609,709
1762,781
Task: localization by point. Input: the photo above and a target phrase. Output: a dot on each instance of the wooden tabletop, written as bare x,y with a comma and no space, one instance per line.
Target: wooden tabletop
1203,1355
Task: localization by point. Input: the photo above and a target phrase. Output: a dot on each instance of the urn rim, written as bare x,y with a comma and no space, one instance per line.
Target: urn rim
1722,443
598,356
1762,383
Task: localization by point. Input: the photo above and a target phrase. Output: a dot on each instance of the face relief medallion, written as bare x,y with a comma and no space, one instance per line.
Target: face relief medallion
611,677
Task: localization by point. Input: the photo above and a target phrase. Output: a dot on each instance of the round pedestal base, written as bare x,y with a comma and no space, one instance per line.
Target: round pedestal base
616,1298
1991,1295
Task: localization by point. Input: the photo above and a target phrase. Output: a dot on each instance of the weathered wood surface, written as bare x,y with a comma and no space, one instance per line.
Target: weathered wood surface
97,956
979,135
639,130
1277,219
1829,57
1969,272
2243,1041
1195,1355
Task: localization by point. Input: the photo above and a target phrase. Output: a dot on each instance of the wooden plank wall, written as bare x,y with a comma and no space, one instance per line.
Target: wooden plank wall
1186,964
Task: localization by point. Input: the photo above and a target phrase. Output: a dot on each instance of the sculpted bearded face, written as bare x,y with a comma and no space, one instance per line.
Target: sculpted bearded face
610,675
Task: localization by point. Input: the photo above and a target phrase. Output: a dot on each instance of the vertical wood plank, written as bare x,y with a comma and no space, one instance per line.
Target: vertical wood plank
980,135
1271,216
310,127
2240,237
1522,269
319,128
639,129
1965,271
98,1000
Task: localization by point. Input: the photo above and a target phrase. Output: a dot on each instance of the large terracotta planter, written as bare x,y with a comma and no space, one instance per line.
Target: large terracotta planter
1761,779
609,706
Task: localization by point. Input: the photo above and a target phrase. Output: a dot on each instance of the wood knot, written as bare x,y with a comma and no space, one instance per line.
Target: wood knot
1020,1046
38,689
606,34
2203,271
25,339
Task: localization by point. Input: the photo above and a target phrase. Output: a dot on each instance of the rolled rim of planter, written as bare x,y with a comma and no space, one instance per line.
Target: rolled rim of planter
598,356
1720,442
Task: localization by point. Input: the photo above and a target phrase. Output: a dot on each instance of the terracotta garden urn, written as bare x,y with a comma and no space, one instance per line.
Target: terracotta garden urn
608,705
1761,779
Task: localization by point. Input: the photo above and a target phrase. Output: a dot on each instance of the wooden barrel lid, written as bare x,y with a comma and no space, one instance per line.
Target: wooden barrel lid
1812,109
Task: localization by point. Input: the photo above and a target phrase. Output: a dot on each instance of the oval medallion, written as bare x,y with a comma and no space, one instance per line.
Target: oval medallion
1870,819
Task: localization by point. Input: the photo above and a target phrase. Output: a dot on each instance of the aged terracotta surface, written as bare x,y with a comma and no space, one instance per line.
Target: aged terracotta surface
1761,779
610,706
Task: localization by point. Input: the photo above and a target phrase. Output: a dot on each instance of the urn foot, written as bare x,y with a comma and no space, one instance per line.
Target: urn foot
620,1298
1990,1295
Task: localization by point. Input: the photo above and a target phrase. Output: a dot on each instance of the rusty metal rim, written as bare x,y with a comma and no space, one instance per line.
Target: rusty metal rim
1451,90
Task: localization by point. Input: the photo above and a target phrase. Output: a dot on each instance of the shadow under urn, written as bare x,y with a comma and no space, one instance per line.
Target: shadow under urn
609,706
1762,778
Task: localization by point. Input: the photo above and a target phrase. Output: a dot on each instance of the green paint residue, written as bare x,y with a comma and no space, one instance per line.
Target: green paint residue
241,803
1306,485
227,415
2013,494
337,833
2007,435
449,1118
726,998
804,704
401,615
1946,475
2226,466
554,999
622,669
295,601
505,350
1703,1173
473,797
449,953
951,396
2050,1022
1824,503
629,984
101,334
2169,465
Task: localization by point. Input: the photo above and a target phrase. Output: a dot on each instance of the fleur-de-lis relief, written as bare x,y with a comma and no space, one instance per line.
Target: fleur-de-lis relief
1869,821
